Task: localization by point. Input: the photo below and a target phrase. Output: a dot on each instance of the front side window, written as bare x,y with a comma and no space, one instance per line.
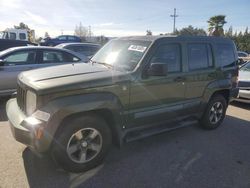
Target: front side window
169,54
199,56
246,67
23,57
240,54
121,54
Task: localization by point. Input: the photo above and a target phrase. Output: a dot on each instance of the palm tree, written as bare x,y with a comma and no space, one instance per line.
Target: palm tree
215,25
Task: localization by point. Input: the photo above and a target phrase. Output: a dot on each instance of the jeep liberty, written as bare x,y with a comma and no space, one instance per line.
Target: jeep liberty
133,87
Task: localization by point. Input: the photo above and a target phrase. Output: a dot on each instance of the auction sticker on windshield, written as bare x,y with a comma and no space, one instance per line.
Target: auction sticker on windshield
137,48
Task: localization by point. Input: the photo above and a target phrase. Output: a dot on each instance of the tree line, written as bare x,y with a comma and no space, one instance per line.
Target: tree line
215,28
241,39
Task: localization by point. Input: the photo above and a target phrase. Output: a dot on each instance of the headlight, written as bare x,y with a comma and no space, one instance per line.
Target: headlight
30,102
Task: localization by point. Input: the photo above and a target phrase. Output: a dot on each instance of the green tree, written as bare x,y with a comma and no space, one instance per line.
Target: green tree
149,32
46,34
191,31
21,26
229,32
215,25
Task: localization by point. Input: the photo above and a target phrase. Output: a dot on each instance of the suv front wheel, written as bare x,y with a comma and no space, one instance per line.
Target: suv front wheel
215,112
82,143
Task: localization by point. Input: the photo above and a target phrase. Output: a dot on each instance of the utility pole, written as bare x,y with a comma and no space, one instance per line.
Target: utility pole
90,31
174,16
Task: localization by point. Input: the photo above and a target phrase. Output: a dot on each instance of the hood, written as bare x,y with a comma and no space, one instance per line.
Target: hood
68,77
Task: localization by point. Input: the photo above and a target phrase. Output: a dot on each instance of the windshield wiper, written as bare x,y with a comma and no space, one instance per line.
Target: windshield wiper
101,63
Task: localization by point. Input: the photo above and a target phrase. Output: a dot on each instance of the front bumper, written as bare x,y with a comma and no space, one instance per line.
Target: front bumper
234,94
25,131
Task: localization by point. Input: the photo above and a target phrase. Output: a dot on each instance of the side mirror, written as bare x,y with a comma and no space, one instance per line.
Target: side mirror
1,62
240,62
158,69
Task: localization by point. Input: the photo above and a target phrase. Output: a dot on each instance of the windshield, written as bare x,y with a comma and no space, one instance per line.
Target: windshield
121,54
246,67
1,35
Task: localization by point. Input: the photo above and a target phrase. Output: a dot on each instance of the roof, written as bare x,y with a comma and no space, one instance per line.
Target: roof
78,43
166,37
31,47
41,47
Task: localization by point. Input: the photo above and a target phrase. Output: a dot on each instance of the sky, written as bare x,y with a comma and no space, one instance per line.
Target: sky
115,18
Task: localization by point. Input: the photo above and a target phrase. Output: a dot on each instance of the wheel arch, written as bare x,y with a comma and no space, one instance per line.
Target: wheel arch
104,105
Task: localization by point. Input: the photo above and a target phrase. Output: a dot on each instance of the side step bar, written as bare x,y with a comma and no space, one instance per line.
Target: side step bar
140,134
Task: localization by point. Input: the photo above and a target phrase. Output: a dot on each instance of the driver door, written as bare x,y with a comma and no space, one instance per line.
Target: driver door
155,99
14,63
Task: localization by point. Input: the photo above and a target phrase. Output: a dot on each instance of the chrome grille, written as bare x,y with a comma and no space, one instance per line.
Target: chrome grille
21,98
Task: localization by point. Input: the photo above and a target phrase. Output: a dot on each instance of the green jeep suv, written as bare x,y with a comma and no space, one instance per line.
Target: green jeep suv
132,88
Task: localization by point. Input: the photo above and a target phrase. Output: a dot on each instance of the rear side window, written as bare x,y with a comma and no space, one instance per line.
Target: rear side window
22,36
199,56
58,57
169,54
71,38
225,55
86,50
62,38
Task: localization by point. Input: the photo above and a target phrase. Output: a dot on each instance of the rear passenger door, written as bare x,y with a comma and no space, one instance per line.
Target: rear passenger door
200,72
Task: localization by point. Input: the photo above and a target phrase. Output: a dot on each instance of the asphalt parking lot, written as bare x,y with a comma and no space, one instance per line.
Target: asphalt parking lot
188,157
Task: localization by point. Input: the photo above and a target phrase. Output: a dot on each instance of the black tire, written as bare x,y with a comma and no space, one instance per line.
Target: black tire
206,121
66,135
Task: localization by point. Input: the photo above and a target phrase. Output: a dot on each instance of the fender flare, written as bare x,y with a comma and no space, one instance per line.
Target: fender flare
63,107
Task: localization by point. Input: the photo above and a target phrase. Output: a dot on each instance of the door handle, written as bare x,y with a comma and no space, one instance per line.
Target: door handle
179,79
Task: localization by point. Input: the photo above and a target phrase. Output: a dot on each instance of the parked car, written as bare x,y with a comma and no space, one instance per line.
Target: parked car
88,49
7,43
58,40
243,56
18,59
244,83
133,87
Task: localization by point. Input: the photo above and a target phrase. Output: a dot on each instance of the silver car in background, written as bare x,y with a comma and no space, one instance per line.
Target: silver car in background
244,83
18,59
87,49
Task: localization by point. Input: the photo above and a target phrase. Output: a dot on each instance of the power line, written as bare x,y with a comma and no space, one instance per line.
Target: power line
174,16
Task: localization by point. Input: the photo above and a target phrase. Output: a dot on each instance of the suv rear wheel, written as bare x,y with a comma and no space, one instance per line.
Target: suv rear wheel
215,112
82,143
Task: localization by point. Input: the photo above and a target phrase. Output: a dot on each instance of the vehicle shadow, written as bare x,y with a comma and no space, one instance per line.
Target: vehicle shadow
155,161
241,105
3,116
41,171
